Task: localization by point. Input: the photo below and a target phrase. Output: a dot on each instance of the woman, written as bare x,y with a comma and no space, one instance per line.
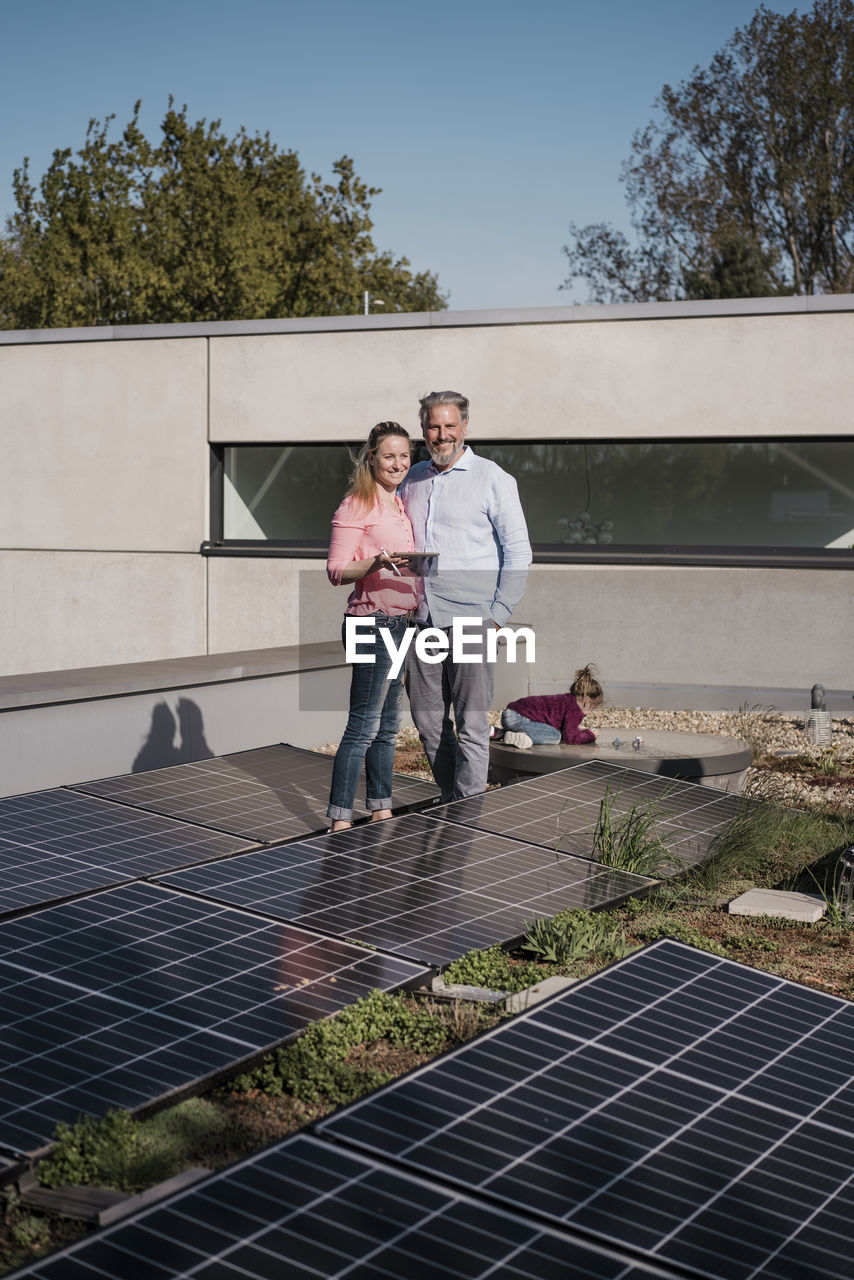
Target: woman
371,519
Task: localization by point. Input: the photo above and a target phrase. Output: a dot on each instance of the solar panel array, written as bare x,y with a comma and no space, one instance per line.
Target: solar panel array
677,1115
425,889
560,810
57,844
305,1209
269,794
685,1107
120,998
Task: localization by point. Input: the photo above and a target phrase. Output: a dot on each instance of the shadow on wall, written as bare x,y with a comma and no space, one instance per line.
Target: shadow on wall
159,749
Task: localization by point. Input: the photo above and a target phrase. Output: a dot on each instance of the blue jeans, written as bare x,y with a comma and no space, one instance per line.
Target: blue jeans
376,710
539,733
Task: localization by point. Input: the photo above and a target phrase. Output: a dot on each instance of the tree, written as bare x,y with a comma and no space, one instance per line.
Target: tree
737,267
744,185
198,227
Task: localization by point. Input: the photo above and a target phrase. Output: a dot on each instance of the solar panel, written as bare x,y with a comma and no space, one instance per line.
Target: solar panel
677,1103
266,795
428,890
56,844
120,998
307,1209
560,810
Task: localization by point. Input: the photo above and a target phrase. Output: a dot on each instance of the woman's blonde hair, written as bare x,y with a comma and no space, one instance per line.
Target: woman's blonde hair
363,486
585,684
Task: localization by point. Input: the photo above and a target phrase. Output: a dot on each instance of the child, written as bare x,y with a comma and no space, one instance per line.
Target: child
553,717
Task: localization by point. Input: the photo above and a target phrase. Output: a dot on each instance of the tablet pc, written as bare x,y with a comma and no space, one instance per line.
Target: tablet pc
416,557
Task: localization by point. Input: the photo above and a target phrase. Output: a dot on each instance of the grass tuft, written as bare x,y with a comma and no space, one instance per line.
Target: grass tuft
575,935
752,726
628,840
768,845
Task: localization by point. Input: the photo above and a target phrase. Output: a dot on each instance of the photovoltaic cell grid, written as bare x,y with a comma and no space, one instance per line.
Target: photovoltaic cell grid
676,1104
120,998
307,1209
428,890
269,794
56,844
560,810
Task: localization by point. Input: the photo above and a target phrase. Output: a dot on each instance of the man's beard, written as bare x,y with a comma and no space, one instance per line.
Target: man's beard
444,453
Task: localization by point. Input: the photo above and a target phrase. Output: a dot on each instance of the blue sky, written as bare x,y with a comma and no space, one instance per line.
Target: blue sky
489,124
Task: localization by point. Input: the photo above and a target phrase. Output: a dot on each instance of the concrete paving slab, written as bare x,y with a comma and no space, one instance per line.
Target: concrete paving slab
442,990
513,1001
783,903
526,999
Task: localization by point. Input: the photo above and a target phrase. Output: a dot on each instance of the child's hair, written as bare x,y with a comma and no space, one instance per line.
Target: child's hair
585,684
363,486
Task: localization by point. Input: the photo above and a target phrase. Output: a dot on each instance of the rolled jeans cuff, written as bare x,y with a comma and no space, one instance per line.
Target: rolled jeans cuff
373,805
337,814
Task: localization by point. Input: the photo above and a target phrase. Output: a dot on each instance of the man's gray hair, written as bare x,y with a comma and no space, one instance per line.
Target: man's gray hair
436,398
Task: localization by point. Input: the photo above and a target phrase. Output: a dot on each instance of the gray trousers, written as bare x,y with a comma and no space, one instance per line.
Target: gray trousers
459,759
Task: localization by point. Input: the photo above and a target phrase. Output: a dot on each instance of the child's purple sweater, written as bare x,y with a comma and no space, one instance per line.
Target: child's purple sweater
560,710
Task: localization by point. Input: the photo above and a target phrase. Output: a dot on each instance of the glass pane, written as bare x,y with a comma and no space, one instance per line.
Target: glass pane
287,492
722,493
684,493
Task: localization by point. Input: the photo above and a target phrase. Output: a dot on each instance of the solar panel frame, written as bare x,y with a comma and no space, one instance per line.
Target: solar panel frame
133,995
268,795
307,1208
57,844
412,886
560,810
644,1107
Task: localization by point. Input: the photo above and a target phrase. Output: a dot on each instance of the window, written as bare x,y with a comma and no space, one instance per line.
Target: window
282,493
581,499
685,493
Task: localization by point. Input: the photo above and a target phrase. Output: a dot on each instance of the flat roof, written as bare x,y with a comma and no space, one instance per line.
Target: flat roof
623,311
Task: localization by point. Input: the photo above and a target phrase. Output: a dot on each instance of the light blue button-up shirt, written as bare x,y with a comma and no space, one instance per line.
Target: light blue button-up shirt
471,514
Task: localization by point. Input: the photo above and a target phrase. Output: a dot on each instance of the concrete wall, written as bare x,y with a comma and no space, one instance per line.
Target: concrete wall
104,487
78,741
271,602
101,444
696,376
83,608
77,726
716,626
103,502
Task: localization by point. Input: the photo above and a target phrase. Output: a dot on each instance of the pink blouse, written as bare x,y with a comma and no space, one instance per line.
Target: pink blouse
359,533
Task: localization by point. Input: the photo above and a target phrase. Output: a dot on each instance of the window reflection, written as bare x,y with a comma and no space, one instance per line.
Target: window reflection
673,493
283,492
685,493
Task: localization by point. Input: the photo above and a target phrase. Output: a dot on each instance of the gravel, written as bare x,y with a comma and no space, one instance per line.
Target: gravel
768,733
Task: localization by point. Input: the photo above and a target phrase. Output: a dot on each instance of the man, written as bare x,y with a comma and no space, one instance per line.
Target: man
468,510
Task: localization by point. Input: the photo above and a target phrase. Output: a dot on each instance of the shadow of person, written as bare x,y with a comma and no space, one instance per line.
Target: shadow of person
159,750
192,728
